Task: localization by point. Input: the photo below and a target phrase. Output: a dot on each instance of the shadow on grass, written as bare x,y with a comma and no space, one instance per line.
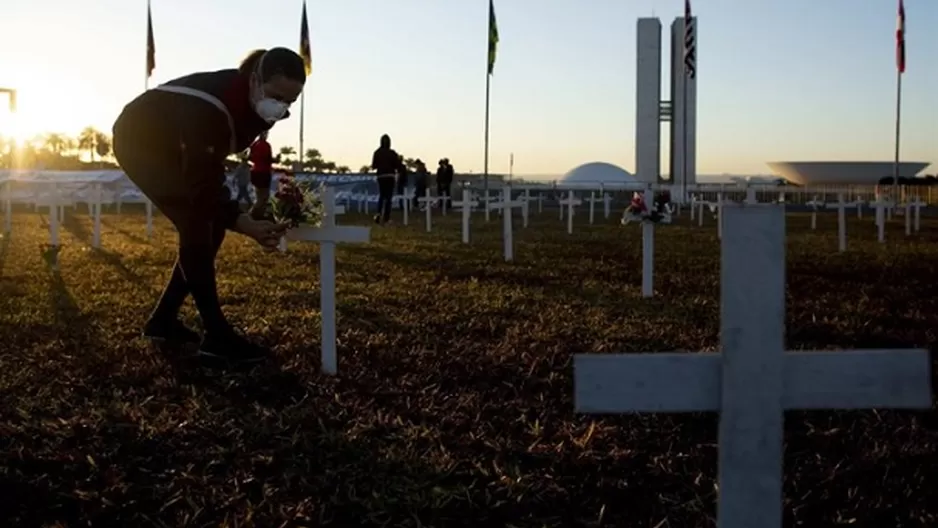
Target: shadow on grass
133,237
5,240
325,476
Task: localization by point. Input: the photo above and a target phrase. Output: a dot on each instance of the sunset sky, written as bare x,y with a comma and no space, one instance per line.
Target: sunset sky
777,79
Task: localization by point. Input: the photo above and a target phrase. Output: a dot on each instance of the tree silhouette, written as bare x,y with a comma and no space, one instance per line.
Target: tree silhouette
286,156
57,144
95,142
365,169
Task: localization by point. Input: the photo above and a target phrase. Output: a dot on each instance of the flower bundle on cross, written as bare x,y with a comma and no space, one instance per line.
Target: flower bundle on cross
297,203
638,210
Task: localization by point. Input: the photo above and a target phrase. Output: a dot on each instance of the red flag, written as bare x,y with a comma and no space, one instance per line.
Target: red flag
900,39
151,46
304,43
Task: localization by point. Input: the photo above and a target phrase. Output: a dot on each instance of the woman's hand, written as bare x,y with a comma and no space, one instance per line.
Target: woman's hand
267,234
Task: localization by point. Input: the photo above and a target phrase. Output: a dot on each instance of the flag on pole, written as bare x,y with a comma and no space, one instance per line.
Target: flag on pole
690,42
493,36
151,45
304,42
900,38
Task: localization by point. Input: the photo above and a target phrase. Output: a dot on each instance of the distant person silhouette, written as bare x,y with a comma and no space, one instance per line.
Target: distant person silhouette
444,182
386,162
172,142
262,164
242,178
421,179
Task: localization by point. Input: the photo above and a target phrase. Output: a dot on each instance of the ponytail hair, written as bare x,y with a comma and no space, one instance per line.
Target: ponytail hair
249,63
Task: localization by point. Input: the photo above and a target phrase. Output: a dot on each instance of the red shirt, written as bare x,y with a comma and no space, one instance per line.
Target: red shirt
262,158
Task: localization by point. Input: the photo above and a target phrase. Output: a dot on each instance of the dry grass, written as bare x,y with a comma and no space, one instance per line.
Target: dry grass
453,406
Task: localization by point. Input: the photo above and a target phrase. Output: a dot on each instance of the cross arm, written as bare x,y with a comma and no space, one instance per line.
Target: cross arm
689,382
354,234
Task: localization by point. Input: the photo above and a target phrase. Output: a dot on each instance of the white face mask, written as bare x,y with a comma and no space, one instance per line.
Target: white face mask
271,110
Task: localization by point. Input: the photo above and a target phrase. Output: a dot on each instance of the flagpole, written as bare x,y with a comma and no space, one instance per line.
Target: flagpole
302,121
895,164
485,162
684,81
146,65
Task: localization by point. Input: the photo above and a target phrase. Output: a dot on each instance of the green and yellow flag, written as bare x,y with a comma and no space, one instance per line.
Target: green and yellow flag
493,36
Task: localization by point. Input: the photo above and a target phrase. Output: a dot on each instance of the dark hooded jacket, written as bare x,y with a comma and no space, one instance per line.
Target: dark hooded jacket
385,160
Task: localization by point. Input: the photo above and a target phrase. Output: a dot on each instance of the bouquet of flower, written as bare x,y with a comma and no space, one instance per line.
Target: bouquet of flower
296,203
638,211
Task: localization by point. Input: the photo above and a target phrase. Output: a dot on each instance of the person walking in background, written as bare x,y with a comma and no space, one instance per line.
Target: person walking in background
172,142
242,178
402,177
262,164
386,162
444,181
421,177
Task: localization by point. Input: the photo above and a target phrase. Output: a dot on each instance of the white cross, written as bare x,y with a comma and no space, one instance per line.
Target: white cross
570,202
814,204
648,251
404,200
593,200
328,234
427,202
607,205
525,209
487,199
753,380
882,205
751,196
540,203
913,207
506,205
841,207
466,206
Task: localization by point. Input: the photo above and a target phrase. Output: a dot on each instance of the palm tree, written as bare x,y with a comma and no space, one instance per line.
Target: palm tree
86,141
343,169
57,143
364,169
102,145
286,155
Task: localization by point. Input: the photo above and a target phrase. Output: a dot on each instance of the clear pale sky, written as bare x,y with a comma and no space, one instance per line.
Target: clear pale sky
777,79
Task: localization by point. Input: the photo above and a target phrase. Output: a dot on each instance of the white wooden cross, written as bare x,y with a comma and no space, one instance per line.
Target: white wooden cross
540,203
466,206
814,204
506,206
693,206
571,201
328,234
525,209
485,200
404,200
752,381
607,205
593,200
913,208
427,202
882,205
841,207
751,196
648,251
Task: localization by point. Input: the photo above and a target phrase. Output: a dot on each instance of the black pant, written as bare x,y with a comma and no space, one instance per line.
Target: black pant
385,195
194,204
420,191
244,194
442,190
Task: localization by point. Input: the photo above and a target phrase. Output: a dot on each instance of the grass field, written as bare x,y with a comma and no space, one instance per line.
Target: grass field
453,404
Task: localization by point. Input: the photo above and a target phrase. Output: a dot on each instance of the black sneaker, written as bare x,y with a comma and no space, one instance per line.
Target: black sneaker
172,332
232,348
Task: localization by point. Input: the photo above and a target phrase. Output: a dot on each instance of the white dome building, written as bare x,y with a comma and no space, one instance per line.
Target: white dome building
842,172
596,173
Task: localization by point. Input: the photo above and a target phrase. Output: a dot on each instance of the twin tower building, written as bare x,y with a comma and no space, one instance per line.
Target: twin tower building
651,110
